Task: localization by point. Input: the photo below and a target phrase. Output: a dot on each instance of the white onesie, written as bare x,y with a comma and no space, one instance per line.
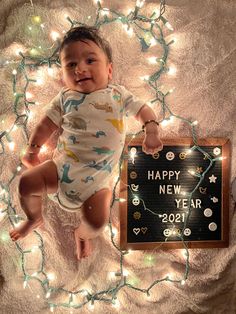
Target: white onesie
92,139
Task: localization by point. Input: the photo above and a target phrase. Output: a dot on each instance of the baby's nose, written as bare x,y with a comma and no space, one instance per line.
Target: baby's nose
80,68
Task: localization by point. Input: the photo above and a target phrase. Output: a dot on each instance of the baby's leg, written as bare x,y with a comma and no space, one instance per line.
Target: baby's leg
33,184
95,210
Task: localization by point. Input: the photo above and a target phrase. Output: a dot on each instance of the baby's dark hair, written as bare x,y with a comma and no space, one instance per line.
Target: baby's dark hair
81,33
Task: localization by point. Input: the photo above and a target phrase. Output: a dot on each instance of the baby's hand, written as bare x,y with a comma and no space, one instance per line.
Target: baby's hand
152,143
30,160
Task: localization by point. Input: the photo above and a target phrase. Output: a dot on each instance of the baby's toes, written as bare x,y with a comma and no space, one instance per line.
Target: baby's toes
14,235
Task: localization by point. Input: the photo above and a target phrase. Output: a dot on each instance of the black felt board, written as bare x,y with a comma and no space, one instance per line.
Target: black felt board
155,210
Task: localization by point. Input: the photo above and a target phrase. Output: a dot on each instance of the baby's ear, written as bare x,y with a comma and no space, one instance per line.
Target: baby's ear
110,71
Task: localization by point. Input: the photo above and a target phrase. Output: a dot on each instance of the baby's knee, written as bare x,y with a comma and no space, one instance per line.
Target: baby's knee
97,220
24,185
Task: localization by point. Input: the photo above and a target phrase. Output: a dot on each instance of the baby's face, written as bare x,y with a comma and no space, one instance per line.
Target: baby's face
85,67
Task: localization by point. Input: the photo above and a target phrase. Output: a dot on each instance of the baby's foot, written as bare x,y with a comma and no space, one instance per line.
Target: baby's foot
83,246
25,228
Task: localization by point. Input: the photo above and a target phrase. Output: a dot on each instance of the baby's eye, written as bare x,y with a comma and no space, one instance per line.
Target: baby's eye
90,60
71,65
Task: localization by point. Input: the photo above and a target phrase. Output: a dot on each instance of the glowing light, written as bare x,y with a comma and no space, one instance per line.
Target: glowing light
34,248
222,158
133,152
91,306
11,146
152,60
51,276
48,294
116,304
36,19
144,78
195,122
183,282
172,70
105,11
28,95
169,26
140,3
122,200
191,172
164,123
25,284
43,149
125,272
50,71
18,168
128,29
153,42
39,81
114,231
18,51
14,72
52,308
54,35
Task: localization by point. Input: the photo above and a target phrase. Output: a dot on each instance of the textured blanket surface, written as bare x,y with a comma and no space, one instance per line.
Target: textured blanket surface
204,55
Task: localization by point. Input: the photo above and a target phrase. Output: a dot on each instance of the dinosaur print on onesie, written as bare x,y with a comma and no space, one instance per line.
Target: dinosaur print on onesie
91,142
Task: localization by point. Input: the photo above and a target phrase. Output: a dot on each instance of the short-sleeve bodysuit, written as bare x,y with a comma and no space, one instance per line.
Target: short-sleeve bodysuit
92,139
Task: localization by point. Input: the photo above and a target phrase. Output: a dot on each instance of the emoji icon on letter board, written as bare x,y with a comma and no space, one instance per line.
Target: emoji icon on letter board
136,231
182,155
134,187
137,215
155,155
170,156
133,175
136,201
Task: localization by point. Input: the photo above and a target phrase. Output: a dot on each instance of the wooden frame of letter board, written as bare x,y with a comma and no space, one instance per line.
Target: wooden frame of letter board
224,242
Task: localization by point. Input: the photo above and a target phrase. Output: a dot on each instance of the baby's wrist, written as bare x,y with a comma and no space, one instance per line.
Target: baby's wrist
151,129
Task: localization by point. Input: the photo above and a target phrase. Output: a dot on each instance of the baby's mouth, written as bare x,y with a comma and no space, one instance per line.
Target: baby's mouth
83,80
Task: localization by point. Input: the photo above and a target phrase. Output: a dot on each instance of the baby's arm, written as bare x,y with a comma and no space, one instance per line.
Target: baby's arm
151,142
40,135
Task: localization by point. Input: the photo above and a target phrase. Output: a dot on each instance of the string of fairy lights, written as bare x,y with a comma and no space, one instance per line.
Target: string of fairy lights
149,32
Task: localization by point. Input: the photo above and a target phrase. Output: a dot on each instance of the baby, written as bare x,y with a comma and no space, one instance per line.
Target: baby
91,114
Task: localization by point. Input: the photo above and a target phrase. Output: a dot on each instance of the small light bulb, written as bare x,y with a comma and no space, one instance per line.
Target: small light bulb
28,95
153,42
125,272
43,149
164,122
18,168
48,294
172,70
195,122
169,26
144,78
152,60
50,71
183,282
14,72
105,11
25,284
54,35
191,172
11,146
52,308
122,200
39,81
140,3
51,276
116,304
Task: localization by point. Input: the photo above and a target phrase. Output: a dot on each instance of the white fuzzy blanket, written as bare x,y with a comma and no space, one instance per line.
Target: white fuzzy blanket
205,85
